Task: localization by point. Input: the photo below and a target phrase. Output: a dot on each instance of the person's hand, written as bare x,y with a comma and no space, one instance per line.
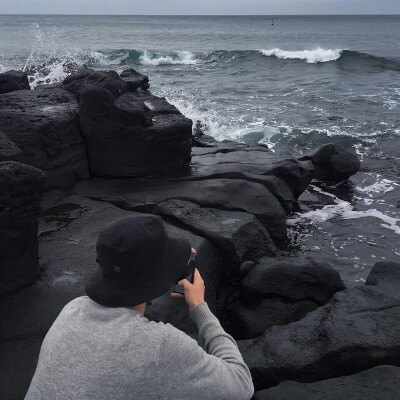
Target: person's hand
194,292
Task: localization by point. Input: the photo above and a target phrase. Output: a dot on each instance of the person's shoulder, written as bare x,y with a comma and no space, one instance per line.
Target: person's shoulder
77,303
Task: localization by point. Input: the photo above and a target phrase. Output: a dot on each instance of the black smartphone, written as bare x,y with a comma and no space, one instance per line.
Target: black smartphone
192,262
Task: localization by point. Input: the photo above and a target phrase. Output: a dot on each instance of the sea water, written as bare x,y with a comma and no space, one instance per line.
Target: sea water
293,83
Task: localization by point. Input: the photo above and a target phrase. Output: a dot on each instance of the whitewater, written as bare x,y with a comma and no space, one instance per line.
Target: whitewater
295,85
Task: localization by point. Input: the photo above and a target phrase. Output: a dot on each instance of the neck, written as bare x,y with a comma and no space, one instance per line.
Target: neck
140,307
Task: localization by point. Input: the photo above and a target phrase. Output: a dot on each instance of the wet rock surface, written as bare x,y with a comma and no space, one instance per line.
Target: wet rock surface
134,80
131,137
333,162
280,290
385,276
11,81
86,78
69,228
356,330
292,317
379,383
21,187
9,151
44,124
241,236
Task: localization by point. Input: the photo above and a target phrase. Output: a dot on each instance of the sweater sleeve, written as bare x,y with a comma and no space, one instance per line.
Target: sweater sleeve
187,371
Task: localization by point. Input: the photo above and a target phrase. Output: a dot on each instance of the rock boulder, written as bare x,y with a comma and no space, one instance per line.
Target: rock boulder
127,138
359,328
44,124
379,383
21,187
333,162
280,290
13,80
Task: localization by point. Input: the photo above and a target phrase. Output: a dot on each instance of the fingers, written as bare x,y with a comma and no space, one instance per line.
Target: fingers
197,277
183,282
178,295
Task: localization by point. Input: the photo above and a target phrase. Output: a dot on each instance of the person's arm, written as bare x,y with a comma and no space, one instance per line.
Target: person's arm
187,371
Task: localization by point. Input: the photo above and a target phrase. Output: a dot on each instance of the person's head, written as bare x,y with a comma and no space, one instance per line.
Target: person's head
137,261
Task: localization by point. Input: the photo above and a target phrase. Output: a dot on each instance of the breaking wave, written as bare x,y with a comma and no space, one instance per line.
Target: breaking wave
317,55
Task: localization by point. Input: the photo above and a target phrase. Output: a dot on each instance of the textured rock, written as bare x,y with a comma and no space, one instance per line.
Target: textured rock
44,124
69,228
280,290
385,276
131,137
11,81
379,383
225,194
239,234
86,78
252,161
21,186
358,329
333,162
9,151
134,80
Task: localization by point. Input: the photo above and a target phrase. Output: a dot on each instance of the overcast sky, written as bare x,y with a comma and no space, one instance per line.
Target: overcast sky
190,7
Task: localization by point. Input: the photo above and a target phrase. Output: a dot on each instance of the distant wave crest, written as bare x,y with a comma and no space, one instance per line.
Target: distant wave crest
317,55
175,57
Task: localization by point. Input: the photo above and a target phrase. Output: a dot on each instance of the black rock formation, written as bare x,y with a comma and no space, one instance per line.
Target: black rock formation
379,383
130,137
134,80
333,162
359,328
9,151
44,124
86,78
280,290
11,81
21,187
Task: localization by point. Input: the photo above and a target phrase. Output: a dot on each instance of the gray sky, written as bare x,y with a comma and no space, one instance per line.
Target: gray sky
189,7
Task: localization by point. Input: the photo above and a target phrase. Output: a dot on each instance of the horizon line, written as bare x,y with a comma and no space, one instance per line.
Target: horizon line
209,15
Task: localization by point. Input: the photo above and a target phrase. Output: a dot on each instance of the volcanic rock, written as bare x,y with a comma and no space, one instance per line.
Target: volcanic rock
13,80
239,234
385,276
44,124
333,162
134,80
129,137
359,328
379,383
86,78
280,290
9,151
225,194
68,230
21,187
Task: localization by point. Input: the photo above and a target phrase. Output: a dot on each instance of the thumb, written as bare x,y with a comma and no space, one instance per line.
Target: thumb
184,282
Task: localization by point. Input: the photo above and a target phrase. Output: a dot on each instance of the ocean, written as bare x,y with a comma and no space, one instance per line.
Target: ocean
291,82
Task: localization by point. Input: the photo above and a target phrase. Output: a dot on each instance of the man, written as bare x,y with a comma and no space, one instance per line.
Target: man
102,347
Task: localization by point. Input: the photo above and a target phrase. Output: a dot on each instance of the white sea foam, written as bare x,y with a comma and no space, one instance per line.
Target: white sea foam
57,73
177,57
382,186
317,55
344,210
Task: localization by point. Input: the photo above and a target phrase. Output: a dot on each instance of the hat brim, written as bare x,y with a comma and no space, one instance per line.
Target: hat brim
116,293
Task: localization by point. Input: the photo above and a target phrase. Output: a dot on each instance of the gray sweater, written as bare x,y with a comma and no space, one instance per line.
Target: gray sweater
96,352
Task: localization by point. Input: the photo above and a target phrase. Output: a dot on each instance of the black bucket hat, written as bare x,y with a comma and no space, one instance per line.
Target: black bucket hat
138,262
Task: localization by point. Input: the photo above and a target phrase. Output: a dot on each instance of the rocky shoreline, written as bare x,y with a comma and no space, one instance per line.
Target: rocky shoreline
76,155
